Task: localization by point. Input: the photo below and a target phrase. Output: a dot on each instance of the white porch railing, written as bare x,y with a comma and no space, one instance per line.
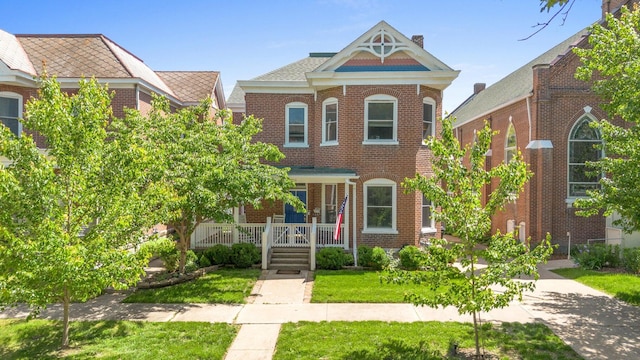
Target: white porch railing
279,235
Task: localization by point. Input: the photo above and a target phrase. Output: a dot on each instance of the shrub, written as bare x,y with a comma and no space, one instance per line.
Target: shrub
244,255
379,258
219,254
204,261
165,249
364,255
411,257
596,256
331,258
631,260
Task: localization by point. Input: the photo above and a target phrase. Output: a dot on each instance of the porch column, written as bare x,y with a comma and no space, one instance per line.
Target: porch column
236,216
346,213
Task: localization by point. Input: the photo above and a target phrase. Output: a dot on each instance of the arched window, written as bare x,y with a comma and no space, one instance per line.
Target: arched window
330,121
584,146
11,111
510,144
381,119
380,206
296,125
428,117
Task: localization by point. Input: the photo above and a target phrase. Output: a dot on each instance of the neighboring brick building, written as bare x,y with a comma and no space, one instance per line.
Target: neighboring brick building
543,111
70,57
353,123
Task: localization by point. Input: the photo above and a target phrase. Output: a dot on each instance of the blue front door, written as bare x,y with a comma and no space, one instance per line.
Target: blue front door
290,214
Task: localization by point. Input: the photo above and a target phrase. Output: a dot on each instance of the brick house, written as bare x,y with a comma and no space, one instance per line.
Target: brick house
543,111
352,123
71,57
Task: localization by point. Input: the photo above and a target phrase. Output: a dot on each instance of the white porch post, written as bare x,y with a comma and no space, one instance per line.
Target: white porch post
347,218
236,216
312,247
355,220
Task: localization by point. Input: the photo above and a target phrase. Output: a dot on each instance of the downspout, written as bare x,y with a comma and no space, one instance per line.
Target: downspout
354,231
137,90
529,116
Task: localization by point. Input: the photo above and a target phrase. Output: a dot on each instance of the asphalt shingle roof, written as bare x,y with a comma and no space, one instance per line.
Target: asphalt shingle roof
513,86
294,71
190,86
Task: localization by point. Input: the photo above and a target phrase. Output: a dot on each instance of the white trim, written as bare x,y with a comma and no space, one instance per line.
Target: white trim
585,117
484,114
325,103
514,147
381,98
539,144
429,101
305,142
380,182
432,224
16,96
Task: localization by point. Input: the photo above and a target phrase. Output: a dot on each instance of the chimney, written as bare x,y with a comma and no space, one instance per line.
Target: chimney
478,87
612,5
418,39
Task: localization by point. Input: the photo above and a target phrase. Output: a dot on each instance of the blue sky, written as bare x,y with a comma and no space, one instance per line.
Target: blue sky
244,39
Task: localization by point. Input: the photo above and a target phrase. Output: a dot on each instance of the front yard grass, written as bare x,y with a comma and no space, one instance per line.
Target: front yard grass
223,286
625,287
40,339
358,286
375,340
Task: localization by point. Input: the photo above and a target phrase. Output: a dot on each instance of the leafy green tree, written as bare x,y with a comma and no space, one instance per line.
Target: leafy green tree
613,63
209,166
457,187
70,215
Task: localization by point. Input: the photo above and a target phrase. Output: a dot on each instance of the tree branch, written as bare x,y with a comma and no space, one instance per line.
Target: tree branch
568,5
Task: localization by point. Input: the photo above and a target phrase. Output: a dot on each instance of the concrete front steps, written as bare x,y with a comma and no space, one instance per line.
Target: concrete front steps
291,258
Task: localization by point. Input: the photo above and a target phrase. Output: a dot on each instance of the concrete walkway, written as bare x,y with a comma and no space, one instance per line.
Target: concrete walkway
594,324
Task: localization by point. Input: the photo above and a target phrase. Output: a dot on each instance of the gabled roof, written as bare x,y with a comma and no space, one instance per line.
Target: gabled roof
192,86
515,86
13,55
381,56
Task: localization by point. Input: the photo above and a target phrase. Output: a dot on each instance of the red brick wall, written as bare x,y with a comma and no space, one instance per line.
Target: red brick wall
394,162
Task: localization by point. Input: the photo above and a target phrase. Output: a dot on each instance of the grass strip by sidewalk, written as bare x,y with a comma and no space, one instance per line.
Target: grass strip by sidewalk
40,339
223,286
351,286
375,340
625,287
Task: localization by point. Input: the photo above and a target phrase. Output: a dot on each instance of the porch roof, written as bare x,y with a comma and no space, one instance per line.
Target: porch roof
312,174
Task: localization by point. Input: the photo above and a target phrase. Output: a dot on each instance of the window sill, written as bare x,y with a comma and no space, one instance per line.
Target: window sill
299,146
332,143
380,142
429,230
380,231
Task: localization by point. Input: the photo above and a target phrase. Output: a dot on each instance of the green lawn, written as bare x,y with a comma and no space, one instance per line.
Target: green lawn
40,339
625,287
374,340
350,286
224,286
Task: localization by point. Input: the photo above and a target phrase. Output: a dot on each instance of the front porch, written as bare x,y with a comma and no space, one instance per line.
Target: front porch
270,235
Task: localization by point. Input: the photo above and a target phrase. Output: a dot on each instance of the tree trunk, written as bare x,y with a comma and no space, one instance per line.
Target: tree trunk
183,253
66,299
475,334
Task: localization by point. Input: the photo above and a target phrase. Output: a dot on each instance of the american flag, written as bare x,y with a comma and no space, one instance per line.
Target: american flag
336,232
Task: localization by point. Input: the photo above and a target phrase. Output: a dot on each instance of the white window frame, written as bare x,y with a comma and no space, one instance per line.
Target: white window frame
380,183
12,95
432,102
511,130
333,205
380,98
305,143
431,228
325,134
588,118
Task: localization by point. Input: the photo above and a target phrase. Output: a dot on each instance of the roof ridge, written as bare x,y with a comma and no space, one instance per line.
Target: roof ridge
108,43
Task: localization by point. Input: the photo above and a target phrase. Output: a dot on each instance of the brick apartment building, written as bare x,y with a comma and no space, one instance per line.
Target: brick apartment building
353,123
543,111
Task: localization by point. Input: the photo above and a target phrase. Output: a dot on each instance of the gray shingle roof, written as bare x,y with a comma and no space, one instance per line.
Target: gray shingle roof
513,86
237,95
294,71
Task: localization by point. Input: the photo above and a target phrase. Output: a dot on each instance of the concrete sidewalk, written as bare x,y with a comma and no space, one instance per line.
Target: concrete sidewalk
594,324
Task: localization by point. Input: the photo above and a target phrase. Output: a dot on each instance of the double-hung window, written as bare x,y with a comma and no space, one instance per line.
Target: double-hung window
380,206
428,118
296,127
10,109
428,224
381,119
584,146
330,121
